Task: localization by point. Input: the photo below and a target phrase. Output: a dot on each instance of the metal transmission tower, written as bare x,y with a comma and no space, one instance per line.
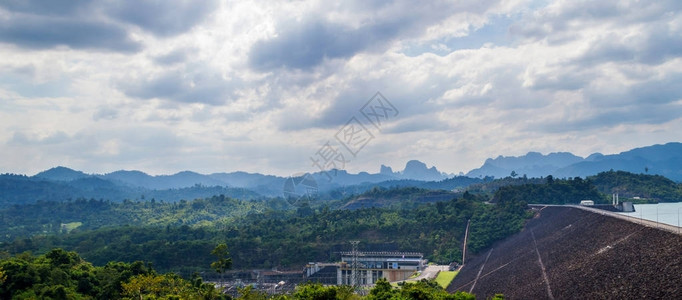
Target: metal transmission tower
355,274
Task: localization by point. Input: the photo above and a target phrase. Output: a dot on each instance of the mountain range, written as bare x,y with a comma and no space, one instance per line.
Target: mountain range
665,160
414,170
62,183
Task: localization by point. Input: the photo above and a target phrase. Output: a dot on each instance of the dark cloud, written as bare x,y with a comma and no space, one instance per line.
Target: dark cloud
654,45
27,71
636,36
666,90
417,100
651,102
409,100
174,57
424,122
654,91
567,78
105,113
161,17
49,8
305,44
204,86
102,25
42,33
608,118
660,45
350,101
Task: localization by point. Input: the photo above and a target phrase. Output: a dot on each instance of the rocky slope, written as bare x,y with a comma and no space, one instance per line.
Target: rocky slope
567,253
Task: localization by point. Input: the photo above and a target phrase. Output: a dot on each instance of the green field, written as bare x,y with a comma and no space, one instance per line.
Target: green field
445,277
71,226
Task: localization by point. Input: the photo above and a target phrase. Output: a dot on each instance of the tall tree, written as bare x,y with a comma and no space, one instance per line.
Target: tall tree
224,261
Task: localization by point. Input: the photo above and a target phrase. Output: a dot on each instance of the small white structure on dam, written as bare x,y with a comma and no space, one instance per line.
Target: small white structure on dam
587,203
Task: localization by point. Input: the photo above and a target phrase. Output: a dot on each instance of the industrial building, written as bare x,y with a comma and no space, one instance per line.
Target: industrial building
365,268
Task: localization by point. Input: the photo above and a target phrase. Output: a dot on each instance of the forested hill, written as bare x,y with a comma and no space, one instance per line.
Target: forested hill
59,274
650,188
628,185
20,189
294,237
49,218
404,198
267,233
553,191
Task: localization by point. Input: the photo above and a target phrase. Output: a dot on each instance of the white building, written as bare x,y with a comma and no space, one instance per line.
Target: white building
372,266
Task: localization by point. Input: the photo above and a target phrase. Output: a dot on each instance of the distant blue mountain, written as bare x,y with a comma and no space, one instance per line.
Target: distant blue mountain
179,180
417,170
244,179
665,160
127,184
21,189
272,185
62,184
132,178
532,164
185,179
414,170
61,174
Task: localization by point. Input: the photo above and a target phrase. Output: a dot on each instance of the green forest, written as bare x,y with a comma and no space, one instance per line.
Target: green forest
21,189
289,238
548,190
651,188
47,217
565,191
60,274
266,233
112,239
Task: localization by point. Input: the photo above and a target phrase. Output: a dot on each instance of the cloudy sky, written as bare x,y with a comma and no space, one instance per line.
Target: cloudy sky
261,86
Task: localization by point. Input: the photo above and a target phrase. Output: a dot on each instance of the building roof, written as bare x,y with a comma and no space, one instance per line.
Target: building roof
274,273
383,254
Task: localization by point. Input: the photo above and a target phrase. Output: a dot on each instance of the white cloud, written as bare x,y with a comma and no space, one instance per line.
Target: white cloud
260,86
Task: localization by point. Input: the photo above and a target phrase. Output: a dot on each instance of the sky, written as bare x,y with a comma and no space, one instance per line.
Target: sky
282,87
